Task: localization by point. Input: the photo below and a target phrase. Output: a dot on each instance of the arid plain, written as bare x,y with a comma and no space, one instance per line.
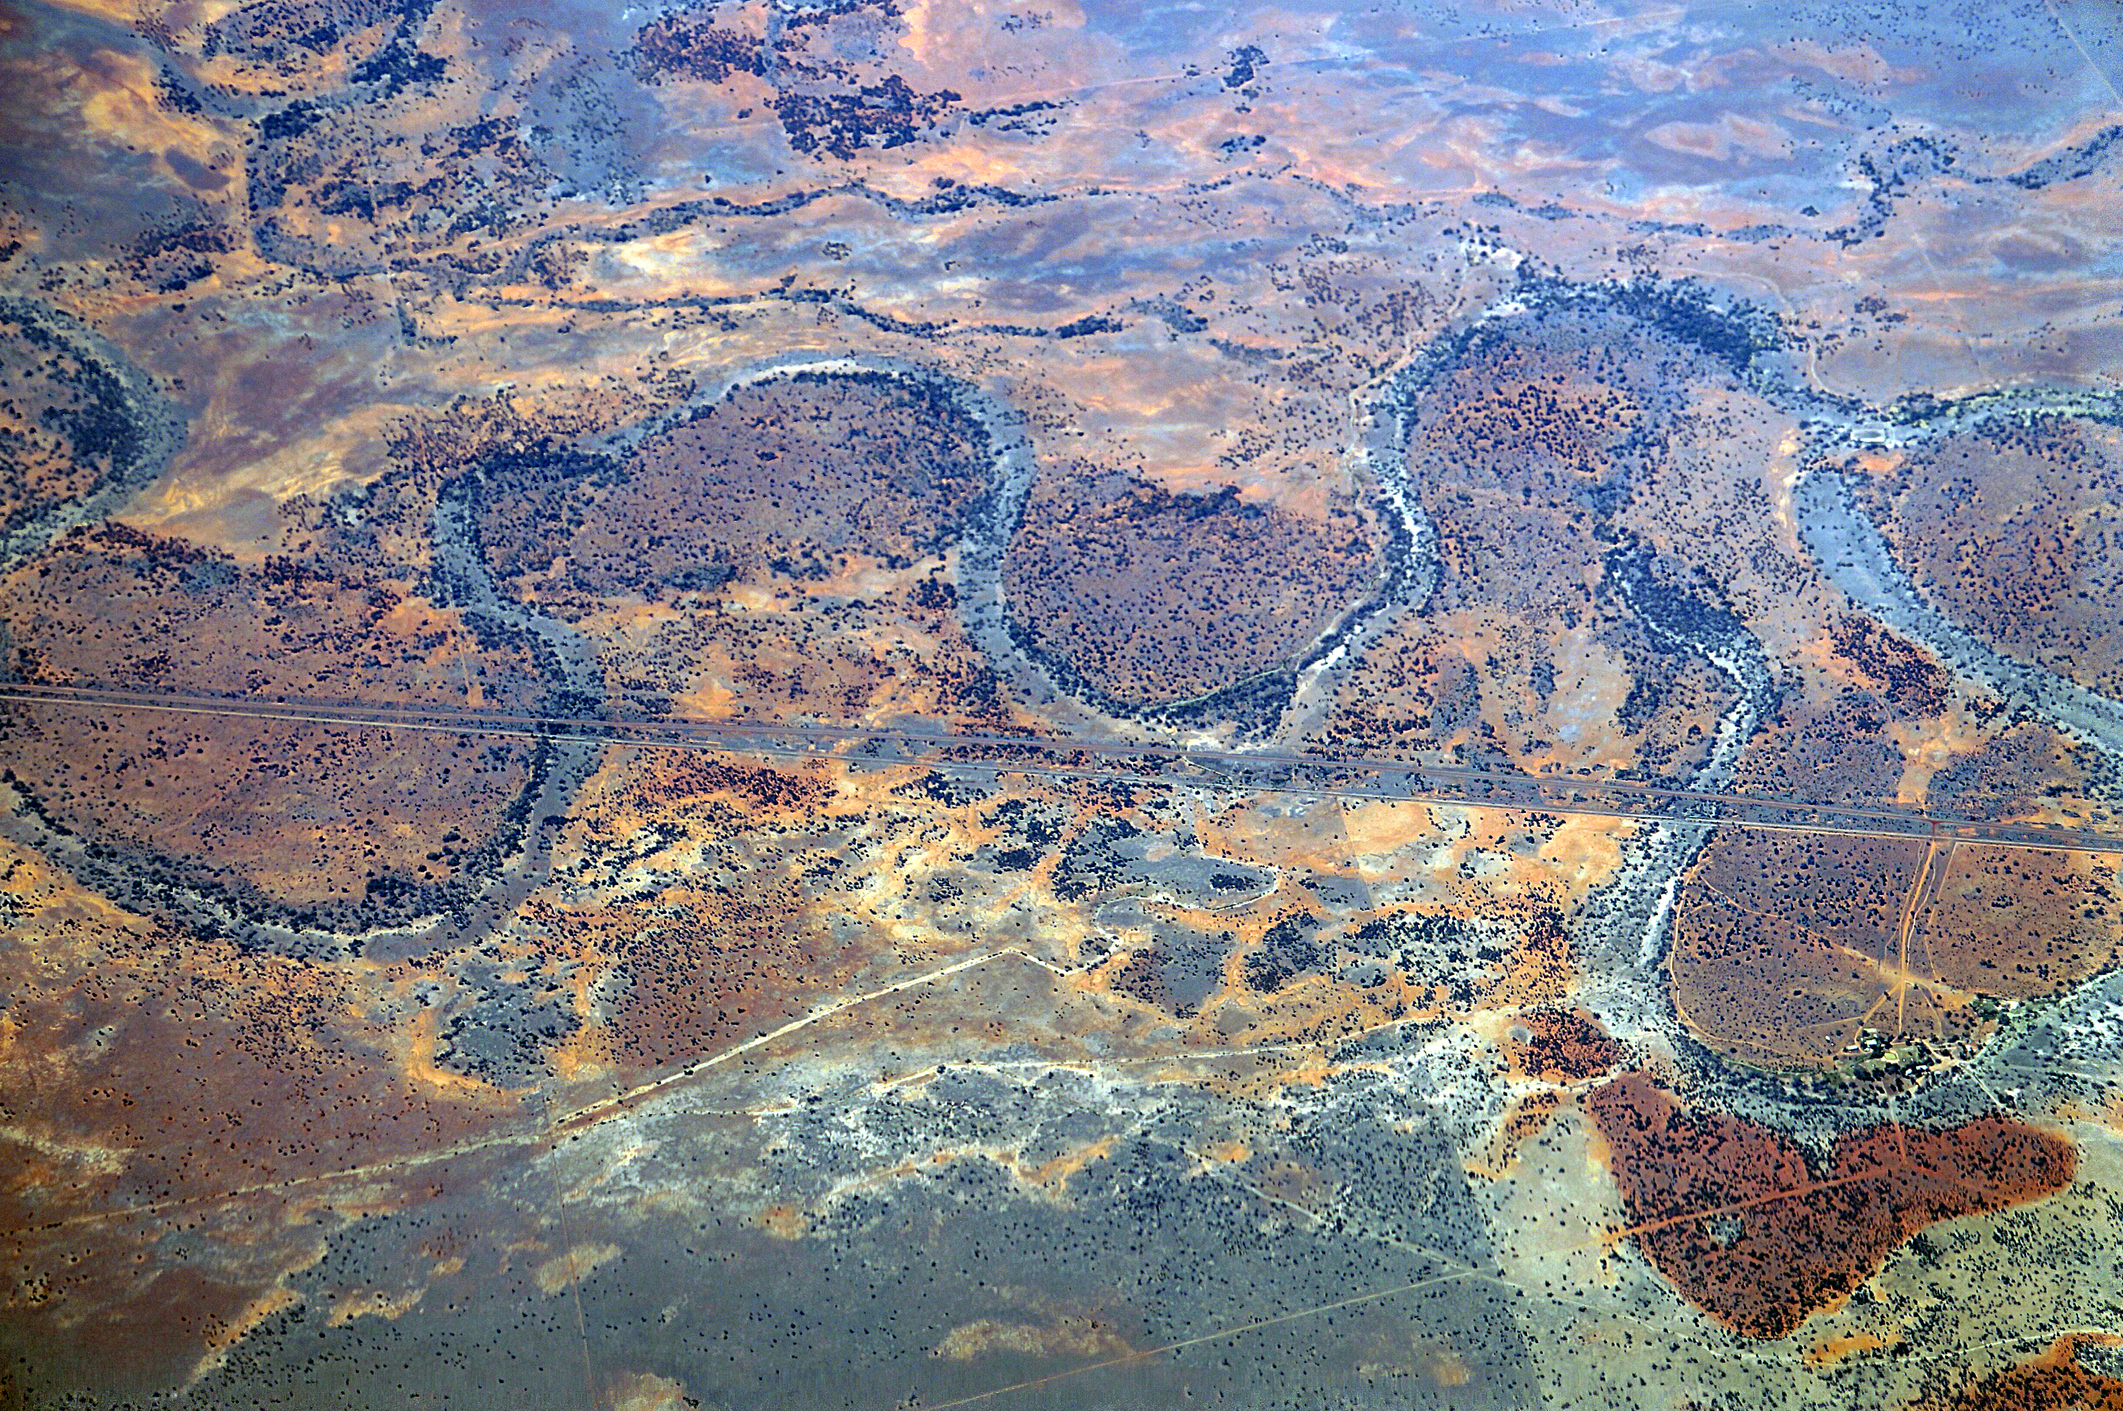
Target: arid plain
891,704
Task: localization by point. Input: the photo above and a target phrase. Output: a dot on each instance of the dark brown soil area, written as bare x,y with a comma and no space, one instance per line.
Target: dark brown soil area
2055,1381
332,819
1732,1214
1560,1046
2017,530
799,477
1146,597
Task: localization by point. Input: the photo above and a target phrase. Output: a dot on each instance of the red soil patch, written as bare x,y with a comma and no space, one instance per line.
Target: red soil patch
198,1068
1558,1046
2052,1382
1731,1213
694,779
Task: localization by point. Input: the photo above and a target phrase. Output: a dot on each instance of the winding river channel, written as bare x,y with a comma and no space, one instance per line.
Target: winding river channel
2052,1049
1625,929
154,429
1623,932
1852,555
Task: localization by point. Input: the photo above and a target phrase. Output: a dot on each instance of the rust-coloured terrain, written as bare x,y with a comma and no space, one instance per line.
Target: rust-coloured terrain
2054,1381
1560,1046
1758,1238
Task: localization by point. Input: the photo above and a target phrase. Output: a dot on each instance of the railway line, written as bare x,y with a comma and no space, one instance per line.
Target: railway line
1356,777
